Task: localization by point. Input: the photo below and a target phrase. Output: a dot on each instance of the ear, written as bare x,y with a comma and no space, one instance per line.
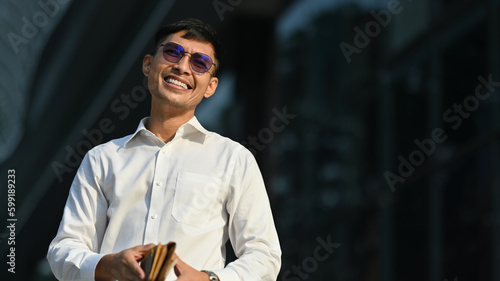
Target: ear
214,81
146,64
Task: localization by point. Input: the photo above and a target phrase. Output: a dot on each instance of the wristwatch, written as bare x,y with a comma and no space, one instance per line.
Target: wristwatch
212,275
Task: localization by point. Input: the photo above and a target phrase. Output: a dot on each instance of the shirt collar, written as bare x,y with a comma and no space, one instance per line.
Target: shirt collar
188,128
194,124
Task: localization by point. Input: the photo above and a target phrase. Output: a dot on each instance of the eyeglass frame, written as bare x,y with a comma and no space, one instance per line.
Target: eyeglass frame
184,54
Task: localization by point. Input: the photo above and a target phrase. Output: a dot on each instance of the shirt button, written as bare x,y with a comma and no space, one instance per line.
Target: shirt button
158,183
163,151
154,216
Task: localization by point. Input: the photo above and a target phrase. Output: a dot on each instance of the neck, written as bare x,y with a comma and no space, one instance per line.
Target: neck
164,122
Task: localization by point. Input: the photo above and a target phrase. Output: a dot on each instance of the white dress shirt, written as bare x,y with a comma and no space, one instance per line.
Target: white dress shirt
197,190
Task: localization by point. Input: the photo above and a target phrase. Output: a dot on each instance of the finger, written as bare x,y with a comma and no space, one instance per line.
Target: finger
144,248
134,267
137,271
141,251
180,262
177,271
149,246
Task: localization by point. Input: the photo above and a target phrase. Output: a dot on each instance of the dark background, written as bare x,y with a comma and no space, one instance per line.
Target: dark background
413,69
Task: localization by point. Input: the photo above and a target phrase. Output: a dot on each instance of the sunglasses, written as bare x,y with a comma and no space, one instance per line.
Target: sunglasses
199,62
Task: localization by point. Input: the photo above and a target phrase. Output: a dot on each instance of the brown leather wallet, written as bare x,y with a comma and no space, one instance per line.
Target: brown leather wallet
158,262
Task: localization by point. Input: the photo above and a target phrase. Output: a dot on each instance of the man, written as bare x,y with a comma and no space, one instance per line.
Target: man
171,180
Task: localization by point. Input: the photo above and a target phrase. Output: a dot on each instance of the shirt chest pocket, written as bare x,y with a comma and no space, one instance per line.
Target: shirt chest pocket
196,198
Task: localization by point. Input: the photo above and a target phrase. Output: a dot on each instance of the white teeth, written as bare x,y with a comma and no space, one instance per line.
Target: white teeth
176,82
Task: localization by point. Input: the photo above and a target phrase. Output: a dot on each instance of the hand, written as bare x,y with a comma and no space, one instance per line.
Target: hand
184,272
122,266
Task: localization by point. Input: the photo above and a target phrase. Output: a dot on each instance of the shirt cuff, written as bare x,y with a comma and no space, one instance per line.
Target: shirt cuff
87,269
226,274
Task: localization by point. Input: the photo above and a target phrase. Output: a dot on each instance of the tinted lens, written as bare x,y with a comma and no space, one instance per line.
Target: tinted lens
201,62
173,52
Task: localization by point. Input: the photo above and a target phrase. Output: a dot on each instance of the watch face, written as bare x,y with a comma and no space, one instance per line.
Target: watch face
212,275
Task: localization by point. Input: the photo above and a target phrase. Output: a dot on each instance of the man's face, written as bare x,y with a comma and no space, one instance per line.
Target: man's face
176,84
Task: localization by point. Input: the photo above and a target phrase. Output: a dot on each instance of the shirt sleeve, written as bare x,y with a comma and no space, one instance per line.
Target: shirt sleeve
73,254
251,226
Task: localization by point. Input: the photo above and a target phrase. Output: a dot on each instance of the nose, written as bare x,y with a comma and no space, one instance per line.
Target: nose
183,64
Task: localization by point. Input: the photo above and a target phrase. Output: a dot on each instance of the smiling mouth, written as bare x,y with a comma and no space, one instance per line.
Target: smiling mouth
173,81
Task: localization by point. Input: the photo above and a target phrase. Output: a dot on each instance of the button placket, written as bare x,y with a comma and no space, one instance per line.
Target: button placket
157,194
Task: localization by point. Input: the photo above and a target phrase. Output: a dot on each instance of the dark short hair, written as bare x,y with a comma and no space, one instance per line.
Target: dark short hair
196,30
